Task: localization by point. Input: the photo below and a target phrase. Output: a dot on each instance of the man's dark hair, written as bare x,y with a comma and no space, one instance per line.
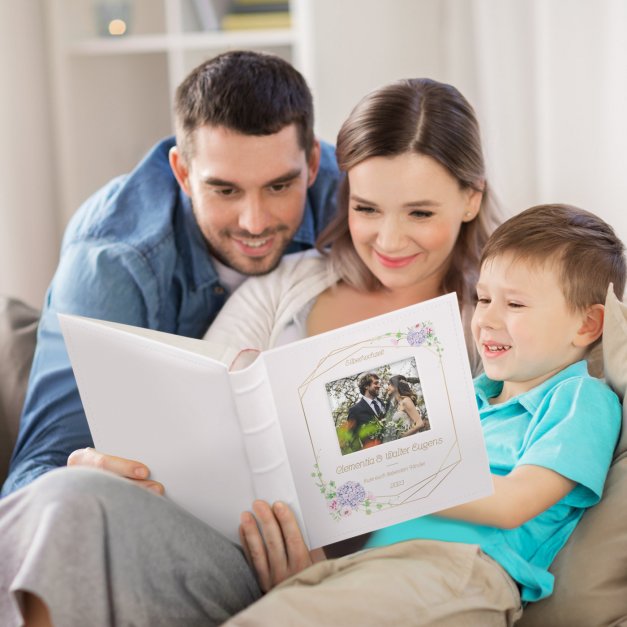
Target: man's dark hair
248,92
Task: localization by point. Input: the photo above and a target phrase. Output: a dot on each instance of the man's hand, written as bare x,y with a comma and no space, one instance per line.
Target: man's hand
273,544
136,471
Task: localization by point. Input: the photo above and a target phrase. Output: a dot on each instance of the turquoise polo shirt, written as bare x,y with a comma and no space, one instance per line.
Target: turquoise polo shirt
569,424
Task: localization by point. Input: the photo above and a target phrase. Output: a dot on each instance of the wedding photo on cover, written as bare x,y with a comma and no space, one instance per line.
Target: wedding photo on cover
377,406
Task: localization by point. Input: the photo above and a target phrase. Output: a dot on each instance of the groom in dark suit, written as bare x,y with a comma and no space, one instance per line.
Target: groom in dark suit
368,407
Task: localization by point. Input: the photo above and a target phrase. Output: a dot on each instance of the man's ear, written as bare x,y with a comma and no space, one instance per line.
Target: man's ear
313,163
592,326
179,168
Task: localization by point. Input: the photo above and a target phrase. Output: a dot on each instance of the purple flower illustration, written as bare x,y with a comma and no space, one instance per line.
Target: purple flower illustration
421,334
351,494
349,498
417,336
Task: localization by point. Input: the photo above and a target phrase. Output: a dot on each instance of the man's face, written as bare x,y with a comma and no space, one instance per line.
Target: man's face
248,193
373,389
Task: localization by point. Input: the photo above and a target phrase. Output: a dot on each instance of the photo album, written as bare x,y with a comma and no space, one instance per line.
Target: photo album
356,429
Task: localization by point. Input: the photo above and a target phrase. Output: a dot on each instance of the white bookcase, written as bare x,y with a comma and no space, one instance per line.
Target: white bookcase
112,96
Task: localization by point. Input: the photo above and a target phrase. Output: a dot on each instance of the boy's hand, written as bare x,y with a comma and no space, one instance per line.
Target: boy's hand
130,469
273,543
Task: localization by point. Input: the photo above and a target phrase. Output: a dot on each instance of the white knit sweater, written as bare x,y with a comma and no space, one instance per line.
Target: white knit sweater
261,312
258,313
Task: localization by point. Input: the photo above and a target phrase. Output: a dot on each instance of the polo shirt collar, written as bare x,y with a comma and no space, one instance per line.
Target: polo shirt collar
486,388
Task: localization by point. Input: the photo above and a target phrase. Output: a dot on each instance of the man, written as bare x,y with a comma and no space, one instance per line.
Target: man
162,247
369,407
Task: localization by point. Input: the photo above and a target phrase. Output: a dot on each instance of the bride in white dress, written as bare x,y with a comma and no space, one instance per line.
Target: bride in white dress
406,419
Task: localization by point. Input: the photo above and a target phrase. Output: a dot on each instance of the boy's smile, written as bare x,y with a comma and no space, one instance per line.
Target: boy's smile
494,349
523,327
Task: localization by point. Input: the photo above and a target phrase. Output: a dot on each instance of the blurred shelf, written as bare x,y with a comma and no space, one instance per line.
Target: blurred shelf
131,44
113,94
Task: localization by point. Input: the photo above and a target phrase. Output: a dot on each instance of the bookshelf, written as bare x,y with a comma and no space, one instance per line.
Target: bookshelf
112,95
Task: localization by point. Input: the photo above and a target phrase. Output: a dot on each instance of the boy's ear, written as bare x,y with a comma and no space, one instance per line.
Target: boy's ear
592,326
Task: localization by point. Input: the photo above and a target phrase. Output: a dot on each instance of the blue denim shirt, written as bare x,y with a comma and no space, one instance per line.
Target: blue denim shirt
133,253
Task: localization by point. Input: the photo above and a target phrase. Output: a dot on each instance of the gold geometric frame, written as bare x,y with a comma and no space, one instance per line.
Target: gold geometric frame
423,488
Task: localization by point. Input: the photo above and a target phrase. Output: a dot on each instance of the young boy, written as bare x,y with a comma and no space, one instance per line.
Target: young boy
550,430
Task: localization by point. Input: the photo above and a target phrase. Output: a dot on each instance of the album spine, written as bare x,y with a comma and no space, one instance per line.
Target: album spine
262,436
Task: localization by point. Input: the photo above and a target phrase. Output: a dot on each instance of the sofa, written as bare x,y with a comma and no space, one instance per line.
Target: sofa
590,571
18,328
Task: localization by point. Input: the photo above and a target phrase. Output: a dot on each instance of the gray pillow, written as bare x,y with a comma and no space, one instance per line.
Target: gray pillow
591,570
18,329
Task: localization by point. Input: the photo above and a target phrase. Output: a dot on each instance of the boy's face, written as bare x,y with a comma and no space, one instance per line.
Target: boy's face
522,326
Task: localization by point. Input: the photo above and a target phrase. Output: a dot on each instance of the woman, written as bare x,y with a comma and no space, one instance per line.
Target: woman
414,213
406,419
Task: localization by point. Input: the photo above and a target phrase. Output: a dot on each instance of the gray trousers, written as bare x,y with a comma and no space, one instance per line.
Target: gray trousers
101,551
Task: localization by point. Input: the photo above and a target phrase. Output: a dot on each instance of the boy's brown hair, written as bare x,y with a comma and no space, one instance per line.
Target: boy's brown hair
583,248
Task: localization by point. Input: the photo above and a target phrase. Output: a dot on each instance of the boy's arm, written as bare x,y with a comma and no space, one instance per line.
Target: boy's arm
519,496
275,547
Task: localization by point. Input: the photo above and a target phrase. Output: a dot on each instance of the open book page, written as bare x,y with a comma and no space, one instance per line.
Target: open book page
283,427
353,478
161,399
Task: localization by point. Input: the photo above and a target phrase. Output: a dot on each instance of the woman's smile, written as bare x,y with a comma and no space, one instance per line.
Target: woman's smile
395,262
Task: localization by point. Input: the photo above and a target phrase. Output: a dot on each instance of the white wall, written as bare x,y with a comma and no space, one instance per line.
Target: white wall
548,81
358,45
29,231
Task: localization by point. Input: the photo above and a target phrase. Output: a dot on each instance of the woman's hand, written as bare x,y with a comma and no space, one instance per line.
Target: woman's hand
136,471
273,544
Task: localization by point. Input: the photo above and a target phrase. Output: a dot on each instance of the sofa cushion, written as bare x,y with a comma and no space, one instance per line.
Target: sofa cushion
615,356
591,570
18,330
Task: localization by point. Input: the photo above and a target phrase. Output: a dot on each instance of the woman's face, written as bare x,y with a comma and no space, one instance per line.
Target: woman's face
404,216
391,390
